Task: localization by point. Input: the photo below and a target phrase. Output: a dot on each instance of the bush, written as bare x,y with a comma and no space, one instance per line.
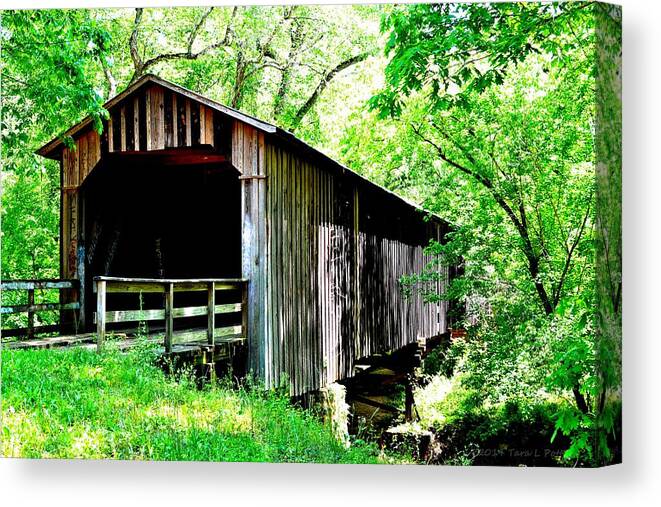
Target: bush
470,430
443,360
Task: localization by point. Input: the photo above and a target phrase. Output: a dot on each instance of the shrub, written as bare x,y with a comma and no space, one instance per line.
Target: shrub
471,430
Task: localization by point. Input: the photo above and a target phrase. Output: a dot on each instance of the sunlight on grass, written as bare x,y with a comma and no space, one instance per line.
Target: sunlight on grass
80,404
429,400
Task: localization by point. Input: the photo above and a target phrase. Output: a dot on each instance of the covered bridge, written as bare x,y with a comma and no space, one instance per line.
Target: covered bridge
181,187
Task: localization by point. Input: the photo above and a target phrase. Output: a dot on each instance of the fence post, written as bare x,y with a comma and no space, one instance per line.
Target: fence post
244,310
79,314
100,314
169,321
30,314
211,312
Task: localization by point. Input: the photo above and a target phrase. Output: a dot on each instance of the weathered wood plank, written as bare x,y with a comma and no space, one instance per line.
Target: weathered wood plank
122,128
38,284
237,146
159,314
195,124
50,342
296,262
136,123
132,316
156,285
93,153
168,125
289,268
209,127
148,118
175,122
181,120
203,124
82,156
211,305
66,168
75,165
246,309
41,307
222,334
111,145
101,313
272,216
168,280
159,119
169,318
189,141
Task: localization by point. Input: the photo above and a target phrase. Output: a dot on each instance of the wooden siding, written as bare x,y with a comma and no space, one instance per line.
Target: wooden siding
78,162
335,252
323,249
151,119
156,118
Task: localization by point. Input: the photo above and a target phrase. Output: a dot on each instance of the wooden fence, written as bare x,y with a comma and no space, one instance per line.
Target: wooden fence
31,308
168,287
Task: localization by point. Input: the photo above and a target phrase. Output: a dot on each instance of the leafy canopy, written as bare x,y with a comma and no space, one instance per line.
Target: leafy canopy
452,48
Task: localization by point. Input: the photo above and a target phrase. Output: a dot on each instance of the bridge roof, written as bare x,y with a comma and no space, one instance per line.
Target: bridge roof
53,149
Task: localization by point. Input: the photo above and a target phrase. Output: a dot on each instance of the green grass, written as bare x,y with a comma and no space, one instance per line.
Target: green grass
79,404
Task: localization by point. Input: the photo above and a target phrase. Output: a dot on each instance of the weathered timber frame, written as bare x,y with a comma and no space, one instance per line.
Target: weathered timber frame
104,285
31,308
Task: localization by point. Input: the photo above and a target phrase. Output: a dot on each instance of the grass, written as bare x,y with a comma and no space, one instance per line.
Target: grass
76,403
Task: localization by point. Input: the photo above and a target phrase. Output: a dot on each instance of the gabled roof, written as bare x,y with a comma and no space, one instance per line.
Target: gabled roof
49,150
52,148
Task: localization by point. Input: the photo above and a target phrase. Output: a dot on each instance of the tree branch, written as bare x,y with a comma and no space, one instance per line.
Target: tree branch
196,30
133,41
305,108
142,66
528,251
285,72
110,79
565,270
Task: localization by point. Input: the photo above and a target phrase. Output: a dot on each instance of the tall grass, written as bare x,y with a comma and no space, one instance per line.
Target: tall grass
79,404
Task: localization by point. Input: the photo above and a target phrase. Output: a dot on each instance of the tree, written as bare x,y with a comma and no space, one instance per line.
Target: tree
451,48
48,57
252,51
502,98
62,65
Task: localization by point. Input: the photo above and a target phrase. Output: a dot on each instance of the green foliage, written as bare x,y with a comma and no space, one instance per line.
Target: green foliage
61,65
80,404
48,57
46,84
454,49
473,431
541,362
444,360
487,117
575,363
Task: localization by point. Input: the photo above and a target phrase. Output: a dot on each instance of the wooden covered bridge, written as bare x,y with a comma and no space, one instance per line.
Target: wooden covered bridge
188,214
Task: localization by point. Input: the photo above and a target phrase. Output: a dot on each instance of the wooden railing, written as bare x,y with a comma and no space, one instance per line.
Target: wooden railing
31,308
104,285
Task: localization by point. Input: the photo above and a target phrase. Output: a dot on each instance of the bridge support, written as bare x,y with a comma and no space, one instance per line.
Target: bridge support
334,409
